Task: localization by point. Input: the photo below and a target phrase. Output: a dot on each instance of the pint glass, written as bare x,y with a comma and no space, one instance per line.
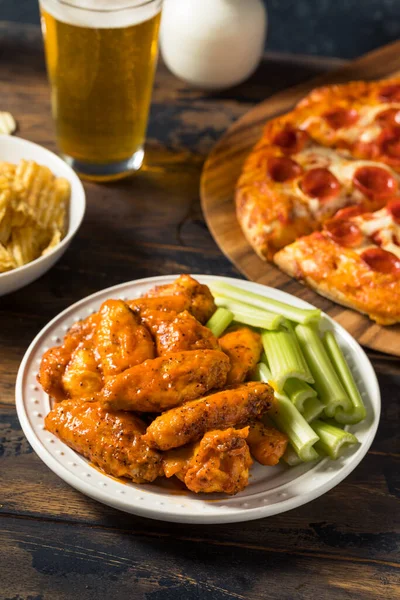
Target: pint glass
101,57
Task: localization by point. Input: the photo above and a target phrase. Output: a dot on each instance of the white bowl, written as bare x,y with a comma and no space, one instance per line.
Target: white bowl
271,490
14,149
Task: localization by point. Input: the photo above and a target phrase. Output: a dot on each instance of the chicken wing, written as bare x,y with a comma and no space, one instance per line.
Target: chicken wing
235,406
55,360
83,377
220,462
112,441
266,443
167,381
202,303
121,340
175,304
243,346
175,332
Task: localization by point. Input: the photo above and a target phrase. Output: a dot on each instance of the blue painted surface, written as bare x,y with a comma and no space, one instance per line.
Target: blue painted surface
344,28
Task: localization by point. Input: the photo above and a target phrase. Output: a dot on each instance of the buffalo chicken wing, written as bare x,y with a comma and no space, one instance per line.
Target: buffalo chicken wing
202,304
220,462
112,441
121,340
55,360
236,406
243,346
166,381
266,443
175,332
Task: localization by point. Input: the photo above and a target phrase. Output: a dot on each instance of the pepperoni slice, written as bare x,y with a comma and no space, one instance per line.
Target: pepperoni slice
393,206
348,212
381,260
389,117
376,238
341,117
291,140
320,183
375,181
390,142
282,169
344,233
390,93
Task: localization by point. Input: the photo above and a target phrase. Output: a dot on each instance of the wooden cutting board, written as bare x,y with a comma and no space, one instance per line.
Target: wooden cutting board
223,167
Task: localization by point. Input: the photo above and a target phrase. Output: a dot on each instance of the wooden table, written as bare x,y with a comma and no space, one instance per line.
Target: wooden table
57,544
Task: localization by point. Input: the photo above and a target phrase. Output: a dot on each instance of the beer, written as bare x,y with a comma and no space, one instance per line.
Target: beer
101,65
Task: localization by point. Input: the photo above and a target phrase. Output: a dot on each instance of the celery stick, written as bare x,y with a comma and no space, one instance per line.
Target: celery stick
289,420
331,439
292,459
312,409
285,357
248,315
304,398
219,321
329,388
262,373
298,391
357,412
300,315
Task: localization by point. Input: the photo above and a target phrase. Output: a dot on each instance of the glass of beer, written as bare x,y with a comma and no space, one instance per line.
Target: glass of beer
101,56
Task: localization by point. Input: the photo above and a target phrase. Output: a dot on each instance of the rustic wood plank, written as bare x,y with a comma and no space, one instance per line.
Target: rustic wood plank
57,543
224,165
57,560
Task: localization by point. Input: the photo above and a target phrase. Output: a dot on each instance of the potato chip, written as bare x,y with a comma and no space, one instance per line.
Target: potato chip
26,242
33,212
7,123
6,260
45,196
55,240
7,170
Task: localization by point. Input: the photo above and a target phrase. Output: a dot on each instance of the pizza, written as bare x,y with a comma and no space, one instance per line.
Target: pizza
354,260
331,163
362,119
290,185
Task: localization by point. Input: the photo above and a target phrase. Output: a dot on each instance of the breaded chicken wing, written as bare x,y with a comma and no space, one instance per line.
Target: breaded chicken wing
176,332
112,441
266,443
120,339
166,381
220,462
202,304
55,360
234,407
243,346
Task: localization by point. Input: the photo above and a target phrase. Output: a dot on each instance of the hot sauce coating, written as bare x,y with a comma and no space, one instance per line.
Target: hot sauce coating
112,441
220,462
243,346
166,381
235,406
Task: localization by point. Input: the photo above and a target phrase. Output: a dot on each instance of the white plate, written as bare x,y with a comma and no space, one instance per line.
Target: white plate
13,150
271,490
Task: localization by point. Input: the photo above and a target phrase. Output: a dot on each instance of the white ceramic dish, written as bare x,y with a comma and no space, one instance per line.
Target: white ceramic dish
271,490
14,149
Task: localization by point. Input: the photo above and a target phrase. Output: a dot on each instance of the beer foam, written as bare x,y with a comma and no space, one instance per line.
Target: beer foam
102,14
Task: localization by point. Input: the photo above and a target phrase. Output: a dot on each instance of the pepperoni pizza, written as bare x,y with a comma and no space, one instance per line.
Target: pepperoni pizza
354,260
339,148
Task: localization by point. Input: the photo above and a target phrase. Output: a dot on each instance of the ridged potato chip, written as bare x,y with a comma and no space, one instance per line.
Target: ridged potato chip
7,123
33,212
7,262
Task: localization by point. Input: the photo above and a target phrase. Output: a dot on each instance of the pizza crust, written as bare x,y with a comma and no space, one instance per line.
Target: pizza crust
298,260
